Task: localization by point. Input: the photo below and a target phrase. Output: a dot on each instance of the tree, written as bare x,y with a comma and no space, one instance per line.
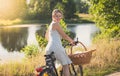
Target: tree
81,6
39,9
70,9
42,9
106,14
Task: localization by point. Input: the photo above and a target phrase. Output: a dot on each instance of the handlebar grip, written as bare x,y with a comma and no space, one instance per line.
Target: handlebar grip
76,42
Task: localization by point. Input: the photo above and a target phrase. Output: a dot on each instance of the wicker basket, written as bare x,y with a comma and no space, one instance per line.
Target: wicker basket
81,58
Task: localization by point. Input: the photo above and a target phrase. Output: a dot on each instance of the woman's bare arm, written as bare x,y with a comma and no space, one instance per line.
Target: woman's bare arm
46,35
62,33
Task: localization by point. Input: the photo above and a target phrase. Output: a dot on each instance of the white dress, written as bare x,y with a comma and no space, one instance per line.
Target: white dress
55,45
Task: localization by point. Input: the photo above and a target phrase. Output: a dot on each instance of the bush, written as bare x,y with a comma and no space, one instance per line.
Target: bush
30,50
41,40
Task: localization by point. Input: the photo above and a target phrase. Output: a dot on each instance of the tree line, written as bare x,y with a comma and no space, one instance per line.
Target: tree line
41,9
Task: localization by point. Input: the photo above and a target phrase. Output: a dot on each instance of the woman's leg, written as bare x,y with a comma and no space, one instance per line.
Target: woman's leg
66,71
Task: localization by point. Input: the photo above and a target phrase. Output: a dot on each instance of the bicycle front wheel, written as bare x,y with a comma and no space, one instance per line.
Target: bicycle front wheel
47,72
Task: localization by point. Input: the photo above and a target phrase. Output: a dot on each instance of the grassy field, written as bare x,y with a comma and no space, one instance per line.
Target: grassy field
105,60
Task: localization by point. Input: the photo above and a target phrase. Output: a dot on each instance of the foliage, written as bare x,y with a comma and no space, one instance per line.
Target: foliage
107,16
40,36
38,9
43,42
81,6
60,6
70,9
30,50
64,26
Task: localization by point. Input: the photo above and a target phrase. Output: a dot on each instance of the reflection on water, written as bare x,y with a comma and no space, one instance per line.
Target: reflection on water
84,32
31,35
16,37
13,38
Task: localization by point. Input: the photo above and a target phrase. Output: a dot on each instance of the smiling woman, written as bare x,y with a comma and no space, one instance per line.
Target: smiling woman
10,9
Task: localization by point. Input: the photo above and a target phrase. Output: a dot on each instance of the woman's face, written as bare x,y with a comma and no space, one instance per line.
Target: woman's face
57,17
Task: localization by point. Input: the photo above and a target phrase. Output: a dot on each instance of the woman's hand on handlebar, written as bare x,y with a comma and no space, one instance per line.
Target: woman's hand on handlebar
73,43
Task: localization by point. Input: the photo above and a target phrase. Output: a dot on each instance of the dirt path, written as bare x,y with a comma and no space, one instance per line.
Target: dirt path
114,74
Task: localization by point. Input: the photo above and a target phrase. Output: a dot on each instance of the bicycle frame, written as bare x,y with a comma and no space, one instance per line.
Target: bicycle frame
50,59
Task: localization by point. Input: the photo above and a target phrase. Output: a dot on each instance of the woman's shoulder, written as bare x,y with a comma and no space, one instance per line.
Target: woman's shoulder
54,23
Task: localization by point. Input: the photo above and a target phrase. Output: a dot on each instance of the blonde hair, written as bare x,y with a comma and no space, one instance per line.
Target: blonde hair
56,11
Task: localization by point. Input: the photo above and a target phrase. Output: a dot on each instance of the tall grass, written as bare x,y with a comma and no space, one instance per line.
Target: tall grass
23,68
105,60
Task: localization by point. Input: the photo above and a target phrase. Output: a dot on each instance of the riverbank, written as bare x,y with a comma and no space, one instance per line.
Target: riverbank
82,18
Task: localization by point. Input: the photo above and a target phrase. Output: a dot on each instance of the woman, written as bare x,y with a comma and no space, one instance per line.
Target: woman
53,35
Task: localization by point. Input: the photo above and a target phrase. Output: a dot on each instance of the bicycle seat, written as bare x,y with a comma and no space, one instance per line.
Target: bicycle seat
50,56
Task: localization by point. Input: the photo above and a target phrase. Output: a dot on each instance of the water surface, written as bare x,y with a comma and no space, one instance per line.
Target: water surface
13,38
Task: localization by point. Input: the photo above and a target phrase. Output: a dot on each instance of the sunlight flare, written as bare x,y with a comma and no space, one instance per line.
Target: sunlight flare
11,9
5,6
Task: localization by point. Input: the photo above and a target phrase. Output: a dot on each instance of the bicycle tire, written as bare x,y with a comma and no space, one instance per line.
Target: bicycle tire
47,72
76,70
81,70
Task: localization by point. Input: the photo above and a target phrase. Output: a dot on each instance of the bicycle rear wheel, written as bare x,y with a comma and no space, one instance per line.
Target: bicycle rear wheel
47,72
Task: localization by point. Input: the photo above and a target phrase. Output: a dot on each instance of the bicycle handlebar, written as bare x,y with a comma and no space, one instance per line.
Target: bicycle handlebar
75,42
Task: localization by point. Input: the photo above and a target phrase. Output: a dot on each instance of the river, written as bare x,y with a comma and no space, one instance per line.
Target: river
13,38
